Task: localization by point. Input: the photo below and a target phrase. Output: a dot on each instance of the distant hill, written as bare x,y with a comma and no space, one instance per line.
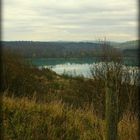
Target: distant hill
127,45
53,49
62,49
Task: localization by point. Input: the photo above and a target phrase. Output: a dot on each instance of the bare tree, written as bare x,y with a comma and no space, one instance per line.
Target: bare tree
109,71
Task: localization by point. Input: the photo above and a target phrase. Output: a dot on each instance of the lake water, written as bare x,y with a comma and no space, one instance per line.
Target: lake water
73,66
72,69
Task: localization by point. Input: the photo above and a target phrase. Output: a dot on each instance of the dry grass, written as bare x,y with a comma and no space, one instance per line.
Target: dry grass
24,119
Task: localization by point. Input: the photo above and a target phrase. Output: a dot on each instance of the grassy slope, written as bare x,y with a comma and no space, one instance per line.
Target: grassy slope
26,119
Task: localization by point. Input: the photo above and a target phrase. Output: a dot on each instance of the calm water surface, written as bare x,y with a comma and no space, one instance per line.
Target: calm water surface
72,69
74,66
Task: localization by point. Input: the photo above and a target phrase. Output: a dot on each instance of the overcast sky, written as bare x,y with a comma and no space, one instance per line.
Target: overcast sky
69,20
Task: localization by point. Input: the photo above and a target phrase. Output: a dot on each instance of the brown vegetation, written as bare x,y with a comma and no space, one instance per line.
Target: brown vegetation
24,118
42,104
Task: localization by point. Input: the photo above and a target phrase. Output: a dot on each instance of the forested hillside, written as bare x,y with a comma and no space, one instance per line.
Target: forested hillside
32,49
52,49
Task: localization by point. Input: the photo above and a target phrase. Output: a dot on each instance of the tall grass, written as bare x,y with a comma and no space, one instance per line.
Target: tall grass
25,119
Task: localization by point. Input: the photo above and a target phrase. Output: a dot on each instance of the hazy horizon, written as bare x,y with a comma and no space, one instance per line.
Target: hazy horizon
73,40
71,20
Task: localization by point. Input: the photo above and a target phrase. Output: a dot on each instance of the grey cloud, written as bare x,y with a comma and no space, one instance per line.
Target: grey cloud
83,20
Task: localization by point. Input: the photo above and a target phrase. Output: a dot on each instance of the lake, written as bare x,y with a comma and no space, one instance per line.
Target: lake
72,66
